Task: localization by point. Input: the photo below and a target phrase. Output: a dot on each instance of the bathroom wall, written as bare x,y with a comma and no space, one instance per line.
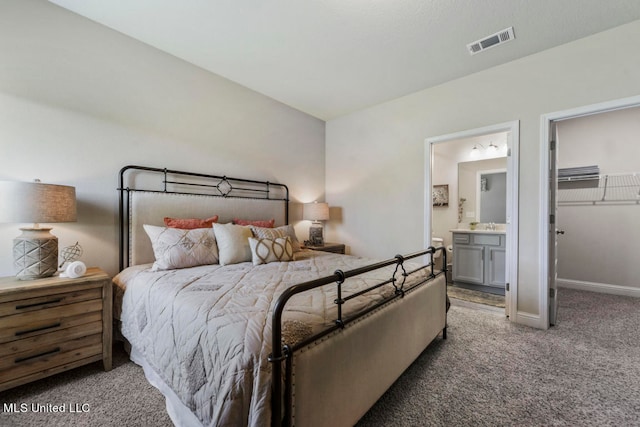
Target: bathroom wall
599,250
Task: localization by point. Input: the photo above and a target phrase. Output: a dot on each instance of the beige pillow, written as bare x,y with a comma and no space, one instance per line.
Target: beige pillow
178,248
264,251
274,233
233,243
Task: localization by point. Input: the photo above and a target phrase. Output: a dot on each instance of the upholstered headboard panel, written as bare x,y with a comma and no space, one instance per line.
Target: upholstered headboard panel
151,208
206,196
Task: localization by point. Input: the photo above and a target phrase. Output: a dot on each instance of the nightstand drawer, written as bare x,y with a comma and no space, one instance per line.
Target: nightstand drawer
29,304
48,320
51,356
338,248
52,351
60,335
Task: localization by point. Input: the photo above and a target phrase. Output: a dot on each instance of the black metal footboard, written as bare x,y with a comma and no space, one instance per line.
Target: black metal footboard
283,352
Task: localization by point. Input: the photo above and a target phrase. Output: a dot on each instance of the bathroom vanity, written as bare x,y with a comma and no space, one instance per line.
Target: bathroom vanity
479,257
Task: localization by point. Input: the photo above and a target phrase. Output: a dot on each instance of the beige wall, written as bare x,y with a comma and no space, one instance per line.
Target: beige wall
375,157
79,101
601,242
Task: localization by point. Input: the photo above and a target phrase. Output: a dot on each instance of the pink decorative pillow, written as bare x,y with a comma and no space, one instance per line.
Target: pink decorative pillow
266,224
190,223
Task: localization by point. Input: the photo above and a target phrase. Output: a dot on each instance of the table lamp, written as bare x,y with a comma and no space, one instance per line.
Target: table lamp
35,251
315,212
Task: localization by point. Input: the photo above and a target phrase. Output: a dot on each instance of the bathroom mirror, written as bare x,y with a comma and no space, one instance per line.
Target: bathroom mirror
478,205
492,189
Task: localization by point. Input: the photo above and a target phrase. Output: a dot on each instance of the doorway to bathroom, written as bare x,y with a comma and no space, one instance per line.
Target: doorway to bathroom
478,171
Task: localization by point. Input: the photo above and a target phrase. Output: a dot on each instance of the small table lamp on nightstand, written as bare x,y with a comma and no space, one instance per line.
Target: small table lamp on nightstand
316,212
35,251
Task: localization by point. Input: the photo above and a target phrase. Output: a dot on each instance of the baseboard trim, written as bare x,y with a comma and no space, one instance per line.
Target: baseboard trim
603,288
529,319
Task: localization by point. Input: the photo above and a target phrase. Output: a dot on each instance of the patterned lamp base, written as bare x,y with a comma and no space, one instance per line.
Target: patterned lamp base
35,254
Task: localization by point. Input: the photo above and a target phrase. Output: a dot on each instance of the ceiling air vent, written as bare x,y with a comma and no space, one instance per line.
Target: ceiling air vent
493,40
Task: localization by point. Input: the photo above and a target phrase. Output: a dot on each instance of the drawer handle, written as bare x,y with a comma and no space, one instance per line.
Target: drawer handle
46,353
21,307
42,328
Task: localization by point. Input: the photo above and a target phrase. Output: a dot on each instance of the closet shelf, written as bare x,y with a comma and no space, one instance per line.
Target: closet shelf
593,189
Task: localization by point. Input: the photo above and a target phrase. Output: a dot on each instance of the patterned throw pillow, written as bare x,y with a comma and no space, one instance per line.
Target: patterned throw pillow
177,248
190,223
264,251
258,223
233,243
273,233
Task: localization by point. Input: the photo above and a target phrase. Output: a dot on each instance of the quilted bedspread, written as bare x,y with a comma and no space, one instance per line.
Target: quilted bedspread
206,330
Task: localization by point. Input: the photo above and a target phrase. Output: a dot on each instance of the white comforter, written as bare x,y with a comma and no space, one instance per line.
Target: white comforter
206,330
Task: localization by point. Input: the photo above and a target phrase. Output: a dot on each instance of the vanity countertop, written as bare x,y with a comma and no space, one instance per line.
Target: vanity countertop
477,231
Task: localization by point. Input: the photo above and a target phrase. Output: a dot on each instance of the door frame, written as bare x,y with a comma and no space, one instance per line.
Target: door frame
545,188
513,161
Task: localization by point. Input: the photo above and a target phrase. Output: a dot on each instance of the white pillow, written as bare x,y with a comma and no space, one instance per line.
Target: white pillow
274,233
177,248
264,251
233,243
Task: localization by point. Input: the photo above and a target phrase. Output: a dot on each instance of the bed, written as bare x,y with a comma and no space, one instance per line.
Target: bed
266,333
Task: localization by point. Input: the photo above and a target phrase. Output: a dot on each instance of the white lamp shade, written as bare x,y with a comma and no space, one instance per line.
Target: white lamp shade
37,202
315,211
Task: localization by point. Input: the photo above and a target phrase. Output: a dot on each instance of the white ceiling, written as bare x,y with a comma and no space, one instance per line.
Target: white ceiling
331,57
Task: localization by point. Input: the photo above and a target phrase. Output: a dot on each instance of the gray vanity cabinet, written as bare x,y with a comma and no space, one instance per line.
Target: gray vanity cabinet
479,258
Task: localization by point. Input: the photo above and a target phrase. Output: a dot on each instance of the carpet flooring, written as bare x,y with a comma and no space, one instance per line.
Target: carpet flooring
585,371
121,397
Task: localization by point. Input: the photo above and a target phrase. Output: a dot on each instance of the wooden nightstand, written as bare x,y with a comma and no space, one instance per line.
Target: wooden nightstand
54,324
337,248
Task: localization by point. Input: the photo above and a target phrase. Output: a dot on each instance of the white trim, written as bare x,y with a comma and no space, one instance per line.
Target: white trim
543,226
513,153
428,197
543,287
603,288
513,216
528,319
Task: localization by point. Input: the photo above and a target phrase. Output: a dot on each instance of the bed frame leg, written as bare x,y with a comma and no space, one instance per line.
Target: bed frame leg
444,333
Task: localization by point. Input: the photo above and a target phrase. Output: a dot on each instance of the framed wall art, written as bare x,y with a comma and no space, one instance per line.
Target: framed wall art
441,195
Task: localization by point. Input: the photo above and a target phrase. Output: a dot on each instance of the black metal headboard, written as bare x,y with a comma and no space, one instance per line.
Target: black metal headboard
148,180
